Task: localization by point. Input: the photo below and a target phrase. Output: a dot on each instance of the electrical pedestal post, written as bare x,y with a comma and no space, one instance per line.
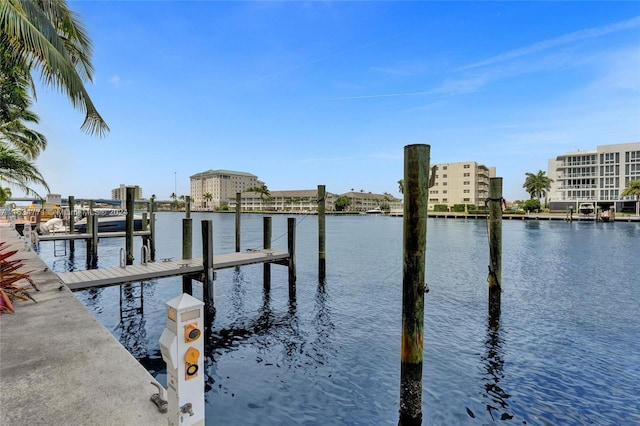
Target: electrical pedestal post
182,347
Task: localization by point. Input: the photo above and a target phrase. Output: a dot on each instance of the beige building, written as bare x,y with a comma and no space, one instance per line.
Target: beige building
596,176
304,200
222,185
120,193
461,183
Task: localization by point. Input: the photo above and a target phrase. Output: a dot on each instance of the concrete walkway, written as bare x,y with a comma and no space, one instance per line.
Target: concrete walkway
60,366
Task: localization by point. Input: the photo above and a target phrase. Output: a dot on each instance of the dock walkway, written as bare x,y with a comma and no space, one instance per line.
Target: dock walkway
167,268
60,366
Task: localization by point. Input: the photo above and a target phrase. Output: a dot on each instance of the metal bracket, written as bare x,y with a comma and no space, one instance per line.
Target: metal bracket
159,399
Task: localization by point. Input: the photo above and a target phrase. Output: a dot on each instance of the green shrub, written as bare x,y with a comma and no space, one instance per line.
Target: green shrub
440,208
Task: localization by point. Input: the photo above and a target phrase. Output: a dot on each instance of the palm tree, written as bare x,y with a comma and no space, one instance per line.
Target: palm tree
17,171
633,190
207,197
5,194
401,186
15,101
46,35
537,184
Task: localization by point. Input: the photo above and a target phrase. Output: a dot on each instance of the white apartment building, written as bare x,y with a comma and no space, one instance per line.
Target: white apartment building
222,185
465,182
596,176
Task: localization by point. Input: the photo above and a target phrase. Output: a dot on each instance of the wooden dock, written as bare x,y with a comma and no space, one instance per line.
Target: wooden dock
167,268
71,237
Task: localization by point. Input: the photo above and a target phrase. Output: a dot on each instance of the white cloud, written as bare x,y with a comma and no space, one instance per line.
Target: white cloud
115,81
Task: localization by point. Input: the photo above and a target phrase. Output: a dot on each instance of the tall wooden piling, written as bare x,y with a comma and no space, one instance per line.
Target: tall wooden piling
495,247
187,249
72,221
207,263
238,201
92,244
129,222
416,196
187,206
322,261
291,243
152,229
266,244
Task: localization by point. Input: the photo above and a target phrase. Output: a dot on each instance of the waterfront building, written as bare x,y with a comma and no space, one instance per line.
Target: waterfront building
222,185
304,200
464,182
120,193
596,176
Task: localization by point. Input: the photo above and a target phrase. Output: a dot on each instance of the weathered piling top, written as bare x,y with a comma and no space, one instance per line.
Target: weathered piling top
60,366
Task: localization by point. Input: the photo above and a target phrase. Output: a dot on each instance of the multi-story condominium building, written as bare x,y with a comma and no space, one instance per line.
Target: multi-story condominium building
597,176
222,185
466,182
304,200
120,193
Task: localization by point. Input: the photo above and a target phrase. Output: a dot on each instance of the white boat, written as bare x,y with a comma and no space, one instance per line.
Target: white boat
586,208
377,210
110,224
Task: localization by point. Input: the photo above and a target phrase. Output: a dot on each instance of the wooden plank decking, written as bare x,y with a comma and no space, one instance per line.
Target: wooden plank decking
168,268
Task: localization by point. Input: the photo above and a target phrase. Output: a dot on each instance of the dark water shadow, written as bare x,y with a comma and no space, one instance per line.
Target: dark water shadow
497,404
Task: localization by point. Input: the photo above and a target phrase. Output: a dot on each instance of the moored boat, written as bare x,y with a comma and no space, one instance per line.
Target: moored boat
110,224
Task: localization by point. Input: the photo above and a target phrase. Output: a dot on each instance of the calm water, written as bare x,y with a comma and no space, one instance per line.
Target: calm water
567,350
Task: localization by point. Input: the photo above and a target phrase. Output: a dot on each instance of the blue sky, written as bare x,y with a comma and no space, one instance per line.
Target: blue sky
319,92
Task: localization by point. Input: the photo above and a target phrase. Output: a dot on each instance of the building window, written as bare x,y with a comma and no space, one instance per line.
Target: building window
444,176
444,183
467,166
444,167
444,200
466,182
444,191
467,174
467,191
466,199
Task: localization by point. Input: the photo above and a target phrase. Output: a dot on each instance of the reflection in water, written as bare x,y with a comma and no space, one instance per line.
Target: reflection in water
133,333
494,365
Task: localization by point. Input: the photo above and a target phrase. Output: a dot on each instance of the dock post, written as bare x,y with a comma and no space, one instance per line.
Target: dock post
145,238
291,243
495,248
416,196
266,238
94,240
238,200
187,206
129,203
187,246
152,229
322,261
207,263
72,221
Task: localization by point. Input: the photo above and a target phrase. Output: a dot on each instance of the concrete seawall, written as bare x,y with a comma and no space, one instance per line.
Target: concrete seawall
59,365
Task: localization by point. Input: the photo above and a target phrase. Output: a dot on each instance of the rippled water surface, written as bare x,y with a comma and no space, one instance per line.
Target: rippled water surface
566,351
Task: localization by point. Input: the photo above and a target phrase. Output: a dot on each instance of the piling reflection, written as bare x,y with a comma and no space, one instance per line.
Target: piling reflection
133,333
497,404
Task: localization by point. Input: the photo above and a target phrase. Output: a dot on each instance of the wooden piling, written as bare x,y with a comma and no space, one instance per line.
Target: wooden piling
495,247
72,221
187,206
92,244
129,202
416,196
291,243
238,201
322,261
207,263
266,243
187,248
152,229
